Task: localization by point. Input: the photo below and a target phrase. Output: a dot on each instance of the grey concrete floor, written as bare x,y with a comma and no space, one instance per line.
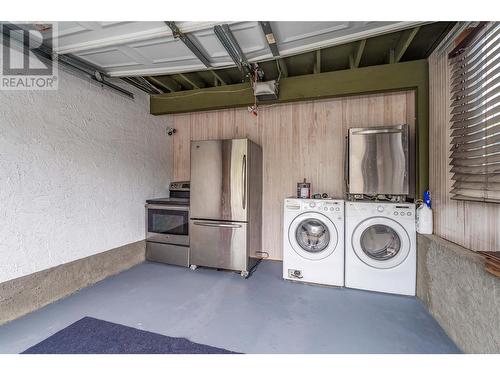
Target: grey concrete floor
263,314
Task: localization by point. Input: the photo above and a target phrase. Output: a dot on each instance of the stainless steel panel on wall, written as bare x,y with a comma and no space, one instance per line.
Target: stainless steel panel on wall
219,177
219,244
378,160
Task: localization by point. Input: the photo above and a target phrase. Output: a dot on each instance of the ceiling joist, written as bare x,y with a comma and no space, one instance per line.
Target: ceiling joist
157,83
220,77
193,80
391,56
148,84
403,43
283,68
355,57
165,82
317,62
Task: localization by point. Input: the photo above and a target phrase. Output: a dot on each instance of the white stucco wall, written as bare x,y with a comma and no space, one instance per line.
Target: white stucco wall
76,166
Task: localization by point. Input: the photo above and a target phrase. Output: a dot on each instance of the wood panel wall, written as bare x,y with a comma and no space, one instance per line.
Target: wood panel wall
473,225
299,140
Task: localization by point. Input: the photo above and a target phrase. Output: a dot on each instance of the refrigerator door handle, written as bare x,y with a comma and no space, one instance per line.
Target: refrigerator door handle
244,181
375,131
346,164
217,225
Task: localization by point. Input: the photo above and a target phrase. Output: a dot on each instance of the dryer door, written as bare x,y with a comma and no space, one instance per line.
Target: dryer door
313,236
381,242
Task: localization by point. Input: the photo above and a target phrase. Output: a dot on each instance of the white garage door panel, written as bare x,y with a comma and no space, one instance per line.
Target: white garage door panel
110,58
163,49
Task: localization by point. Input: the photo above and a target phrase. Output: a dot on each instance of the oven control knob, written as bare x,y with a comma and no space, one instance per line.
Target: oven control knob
380,208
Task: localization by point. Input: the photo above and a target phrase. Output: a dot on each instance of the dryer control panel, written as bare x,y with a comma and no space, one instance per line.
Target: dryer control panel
393,210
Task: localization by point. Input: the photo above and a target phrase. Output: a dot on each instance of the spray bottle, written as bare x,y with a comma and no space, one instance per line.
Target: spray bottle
424,215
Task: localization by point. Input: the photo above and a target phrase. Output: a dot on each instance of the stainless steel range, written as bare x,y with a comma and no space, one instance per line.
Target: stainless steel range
167,226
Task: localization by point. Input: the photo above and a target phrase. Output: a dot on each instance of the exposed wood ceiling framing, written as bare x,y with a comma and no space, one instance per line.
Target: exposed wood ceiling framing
169,57
405,45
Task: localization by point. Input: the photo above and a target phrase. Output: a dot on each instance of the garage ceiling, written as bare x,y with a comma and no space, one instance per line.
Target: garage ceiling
165,56
149,48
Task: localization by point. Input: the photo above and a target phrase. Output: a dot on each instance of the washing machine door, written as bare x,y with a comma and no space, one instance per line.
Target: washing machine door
313,236
381,242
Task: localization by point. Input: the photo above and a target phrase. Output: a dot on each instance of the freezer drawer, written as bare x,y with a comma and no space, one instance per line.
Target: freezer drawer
219,244
167,253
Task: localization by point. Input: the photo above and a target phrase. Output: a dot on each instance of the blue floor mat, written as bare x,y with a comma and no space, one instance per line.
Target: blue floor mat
95,336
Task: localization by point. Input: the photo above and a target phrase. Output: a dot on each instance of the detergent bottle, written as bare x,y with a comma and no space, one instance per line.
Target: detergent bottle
424,215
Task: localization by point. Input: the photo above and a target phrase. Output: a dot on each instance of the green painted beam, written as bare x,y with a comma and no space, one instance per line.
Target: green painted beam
230,96
404,42
355,58
412,75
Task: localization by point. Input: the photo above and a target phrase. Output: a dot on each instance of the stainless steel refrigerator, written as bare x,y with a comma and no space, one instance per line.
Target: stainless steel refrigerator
226,204
378,161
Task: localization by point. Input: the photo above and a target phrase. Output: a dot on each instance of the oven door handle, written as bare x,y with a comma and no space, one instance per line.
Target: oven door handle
217,225
166,207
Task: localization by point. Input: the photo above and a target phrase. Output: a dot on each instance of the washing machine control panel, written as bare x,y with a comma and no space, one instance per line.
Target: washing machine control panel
325,206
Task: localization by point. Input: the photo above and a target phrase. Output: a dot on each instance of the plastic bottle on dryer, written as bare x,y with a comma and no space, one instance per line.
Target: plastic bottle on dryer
424,215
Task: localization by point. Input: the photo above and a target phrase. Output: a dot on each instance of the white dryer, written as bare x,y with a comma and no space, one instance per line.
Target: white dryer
313,241
380,251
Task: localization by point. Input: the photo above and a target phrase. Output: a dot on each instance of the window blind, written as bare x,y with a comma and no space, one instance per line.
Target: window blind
475,117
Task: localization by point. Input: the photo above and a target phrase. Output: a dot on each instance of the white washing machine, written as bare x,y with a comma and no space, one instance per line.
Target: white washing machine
380,251
313,241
